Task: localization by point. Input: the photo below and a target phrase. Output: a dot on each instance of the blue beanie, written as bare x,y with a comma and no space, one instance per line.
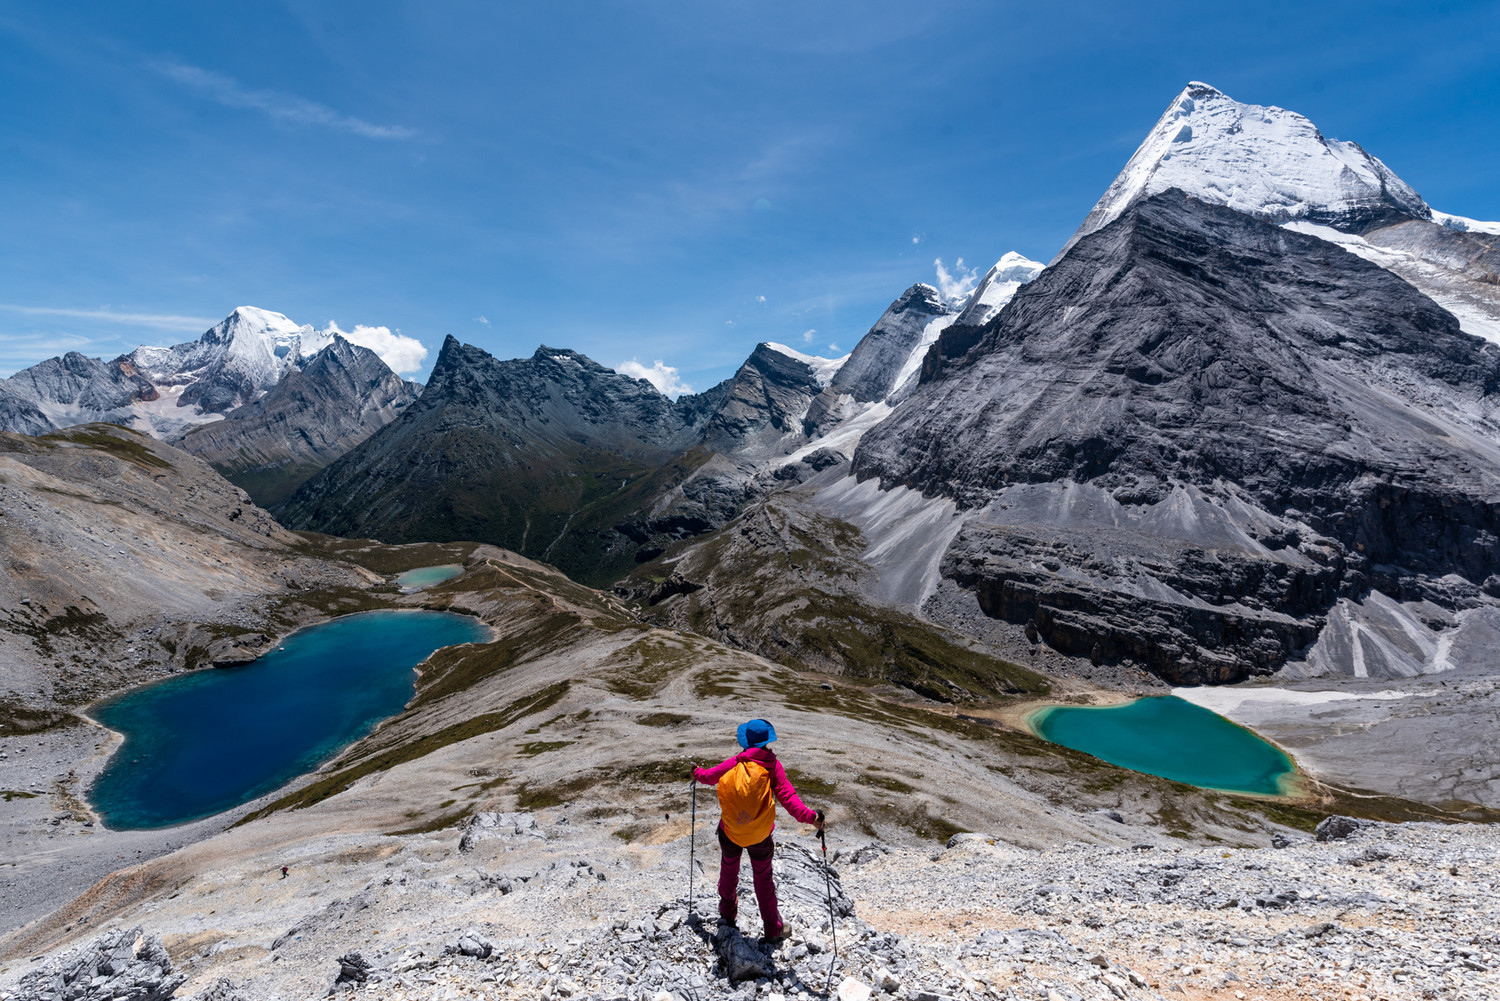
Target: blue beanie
755,733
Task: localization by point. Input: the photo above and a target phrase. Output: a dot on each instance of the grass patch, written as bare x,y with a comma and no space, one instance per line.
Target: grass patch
530,797
18,719
667,771
875,642
810,785
709,684
437,823
114,440
886,782
11,794
536,747
382,558
662,719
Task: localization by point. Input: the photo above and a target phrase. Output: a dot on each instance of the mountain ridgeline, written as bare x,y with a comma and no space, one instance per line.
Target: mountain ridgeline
265,401
559,458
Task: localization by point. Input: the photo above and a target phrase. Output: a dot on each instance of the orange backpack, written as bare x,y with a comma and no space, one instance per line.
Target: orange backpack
745,800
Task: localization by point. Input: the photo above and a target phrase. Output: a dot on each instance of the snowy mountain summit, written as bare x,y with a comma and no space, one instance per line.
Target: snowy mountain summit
164,391
1265,162
235,361
1276,166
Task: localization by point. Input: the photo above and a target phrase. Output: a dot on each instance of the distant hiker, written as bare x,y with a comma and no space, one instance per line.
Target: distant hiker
283,872
750,784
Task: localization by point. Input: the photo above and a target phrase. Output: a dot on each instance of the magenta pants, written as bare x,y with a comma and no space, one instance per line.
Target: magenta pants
760,871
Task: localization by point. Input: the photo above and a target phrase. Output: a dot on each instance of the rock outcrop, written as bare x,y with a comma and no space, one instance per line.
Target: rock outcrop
126,965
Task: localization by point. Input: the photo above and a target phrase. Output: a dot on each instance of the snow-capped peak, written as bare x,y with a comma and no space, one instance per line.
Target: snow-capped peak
997,287
824,369
1266,162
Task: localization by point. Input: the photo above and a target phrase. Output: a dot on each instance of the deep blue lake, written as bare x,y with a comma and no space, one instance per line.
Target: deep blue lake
201,743
1170,737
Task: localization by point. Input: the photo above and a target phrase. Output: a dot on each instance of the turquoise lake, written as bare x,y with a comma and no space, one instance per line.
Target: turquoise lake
1170,737
205,742
415,580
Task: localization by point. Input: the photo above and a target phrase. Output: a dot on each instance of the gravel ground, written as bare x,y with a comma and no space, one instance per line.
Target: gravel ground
555,912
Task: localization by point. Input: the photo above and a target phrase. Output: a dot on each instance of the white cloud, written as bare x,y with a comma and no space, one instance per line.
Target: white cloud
18,351
482,319
959,284
834,348
403,354
275,104
728,323
916,239
198,323
664,377
807,335
760,298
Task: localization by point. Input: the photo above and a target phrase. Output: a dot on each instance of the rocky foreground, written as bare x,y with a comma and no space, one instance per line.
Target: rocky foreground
509,908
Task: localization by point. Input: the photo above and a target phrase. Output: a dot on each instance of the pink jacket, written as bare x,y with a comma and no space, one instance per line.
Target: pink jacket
781,786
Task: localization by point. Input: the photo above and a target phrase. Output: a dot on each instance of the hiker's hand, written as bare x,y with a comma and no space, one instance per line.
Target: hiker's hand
820,820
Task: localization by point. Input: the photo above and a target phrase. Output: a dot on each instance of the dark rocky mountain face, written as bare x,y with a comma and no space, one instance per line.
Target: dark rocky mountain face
544,455
1337,418
763,403
271,446
563,460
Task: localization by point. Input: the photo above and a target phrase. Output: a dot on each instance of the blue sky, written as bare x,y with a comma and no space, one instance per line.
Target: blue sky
645,180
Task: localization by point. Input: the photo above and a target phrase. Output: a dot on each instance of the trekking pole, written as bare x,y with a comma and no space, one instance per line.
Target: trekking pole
832,922
692,843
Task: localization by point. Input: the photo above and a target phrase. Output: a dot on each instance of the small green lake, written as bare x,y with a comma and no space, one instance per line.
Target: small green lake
205,742
416,580
1170,737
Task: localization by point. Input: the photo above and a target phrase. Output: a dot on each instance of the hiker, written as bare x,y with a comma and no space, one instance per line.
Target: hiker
747,783
283,872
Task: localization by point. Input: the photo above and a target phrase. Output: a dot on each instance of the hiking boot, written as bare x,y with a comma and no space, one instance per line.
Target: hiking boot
779,936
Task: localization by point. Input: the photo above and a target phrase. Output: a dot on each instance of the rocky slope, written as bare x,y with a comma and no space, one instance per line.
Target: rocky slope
1382,911
310,417
521,829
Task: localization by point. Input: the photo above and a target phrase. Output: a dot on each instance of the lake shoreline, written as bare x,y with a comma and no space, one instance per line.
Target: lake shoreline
1291,783
202,743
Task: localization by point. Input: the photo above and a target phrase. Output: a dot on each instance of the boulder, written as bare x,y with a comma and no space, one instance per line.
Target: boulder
354,968
969,837
470,943
1338,828
802,888
854,990
742,959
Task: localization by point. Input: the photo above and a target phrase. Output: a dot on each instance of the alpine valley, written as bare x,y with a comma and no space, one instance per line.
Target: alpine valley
1239,441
